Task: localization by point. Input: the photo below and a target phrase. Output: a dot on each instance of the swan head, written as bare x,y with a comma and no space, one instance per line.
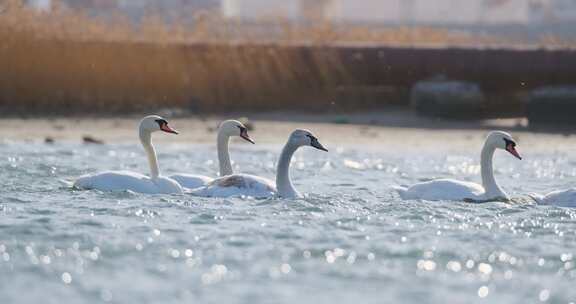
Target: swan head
153,123
504,141
235,128
305,138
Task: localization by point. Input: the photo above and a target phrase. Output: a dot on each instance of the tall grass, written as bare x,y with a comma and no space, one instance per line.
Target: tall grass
65,61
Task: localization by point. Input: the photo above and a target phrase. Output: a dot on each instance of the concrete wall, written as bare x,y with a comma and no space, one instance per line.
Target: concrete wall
392,11
40,5
255,9
435,12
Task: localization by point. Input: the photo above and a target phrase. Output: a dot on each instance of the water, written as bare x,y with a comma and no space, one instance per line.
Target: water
350,240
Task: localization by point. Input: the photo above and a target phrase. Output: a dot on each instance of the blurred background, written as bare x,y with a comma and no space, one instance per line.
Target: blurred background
440,58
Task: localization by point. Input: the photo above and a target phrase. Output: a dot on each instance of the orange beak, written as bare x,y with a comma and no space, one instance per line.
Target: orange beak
512,150
167,129
245,136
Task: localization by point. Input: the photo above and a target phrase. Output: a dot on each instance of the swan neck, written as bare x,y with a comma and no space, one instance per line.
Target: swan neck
488,181
283,181
146,140
223,154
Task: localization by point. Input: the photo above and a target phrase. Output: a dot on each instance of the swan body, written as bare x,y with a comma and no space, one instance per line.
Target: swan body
226,130
560,198
443,189
125,180
237,185
255,186
449,189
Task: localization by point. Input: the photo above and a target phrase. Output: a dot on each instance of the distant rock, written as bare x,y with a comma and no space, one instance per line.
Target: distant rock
552,106
87,139
444,98
341,120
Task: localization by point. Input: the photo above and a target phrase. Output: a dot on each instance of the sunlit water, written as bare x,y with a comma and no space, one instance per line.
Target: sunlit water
351,240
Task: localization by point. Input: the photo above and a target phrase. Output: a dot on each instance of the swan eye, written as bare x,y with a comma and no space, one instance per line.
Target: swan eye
315,143
509,142
161,122
313,139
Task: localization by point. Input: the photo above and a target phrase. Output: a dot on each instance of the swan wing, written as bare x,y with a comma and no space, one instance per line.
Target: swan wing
166,185
191,181
237,185
442,189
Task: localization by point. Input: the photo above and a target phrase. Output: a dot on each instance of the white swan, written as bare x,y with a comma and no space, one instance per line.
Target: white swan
226,130
449,189
560,198
250,185
125,180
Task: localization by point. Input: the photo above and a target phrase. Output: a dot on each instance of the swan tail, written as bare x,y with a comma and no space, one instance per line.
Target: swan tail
66,183
401,190
83,182
536,197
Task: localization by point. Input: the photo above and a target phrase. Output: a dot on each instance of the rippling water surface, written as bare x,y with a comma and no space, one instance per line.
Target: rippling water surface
350,240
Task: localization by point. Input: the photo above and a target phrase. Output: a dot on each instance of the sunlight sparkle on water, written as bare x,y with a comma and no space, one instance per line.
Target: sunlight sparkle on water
350,235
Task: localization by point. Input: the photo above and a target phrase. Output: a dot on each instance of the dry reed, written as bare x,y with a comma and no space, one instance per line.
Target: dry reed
67,62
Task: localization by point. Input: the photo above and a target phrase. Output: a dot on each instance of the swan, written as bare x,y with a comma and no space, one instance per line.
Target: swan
226,130
250,185
125,180
449,189
560,198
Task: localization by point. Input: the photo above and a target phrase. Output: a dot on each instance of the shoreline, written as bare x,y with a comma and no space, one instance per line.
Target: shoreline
380,130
